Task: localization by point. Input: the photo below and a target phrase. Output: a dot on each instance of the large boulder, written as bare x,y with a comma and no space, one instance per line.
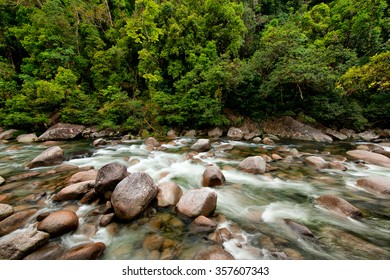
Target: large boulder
152,142
26,138
201,145
339,205
212,177
59,222
197,202
215,133
287,127
370,157
17,246
5,211
317,162
15,221
109,176
132,195
8,134
61,131
51,156
74,191
168,194
235,133
254,164
377,184
89,251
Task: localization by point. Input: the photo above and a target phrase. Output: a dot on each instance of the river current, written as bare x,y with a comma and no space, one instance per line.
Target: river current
253,208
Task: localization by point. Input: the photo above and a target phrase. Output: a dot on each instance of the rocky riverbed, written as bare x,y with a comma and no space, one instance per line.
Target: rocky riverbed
195,197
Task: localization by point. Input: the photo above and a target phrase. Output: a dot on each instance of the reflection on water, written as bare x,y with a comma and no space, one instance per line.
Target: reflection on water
251,209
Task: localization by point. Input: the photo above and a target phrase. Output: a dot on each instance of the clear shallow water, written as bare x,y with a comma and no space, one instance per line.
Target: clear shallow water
253,208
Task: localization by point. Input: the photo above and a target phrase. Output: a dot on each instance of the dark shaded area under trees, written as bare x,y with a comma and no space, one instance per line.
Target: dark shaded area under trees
148,65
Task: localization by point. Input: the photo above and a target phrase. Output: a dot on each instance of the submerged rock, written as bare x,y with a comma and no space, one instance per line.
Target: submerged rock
51,156
299,228
15,221
17,246
61,131
50,251
5,211
109,176
339,205
254,164
212,177
89,251
197,202
59,222
377,184
215,252
132,195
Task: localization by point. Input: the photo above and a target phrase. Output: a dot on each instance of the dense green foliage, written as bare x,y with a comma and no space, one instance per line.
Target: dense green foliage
146,65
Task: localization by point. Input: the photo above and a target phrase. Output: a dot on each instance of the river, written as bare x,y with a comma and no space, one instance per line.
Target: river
252,208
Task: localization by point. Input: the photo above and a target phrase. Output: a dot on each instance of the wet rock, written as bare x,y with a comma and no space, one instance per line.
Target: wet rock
370,157
8,134
59,222
339,205
99,142
168,194
2,180
317,162
215,237
26,138
153,242
224,147
74,191
61,131
377,184
19,245
276,157
132,195
368,136
202,224
197,202
15,221
336,134
106,219
89,251
51,156
337,165
254,164
109,176
298,228
287,127
89,197
268,141
215,133
83,176
235,133
250,135
23,176
5,211
50,251
212,177
215,252
151,141
257,140
201,145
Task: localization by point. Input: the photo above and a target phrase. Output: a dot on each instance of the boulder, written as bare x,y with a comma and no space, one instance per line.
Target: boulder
370,157
339,205
83,176
368,136
171,134
317,162
15,221
59,222
19,245
153,242
235,133
99,142
287,127
168,194
106,219
89,251
151,141
74,191
212,177
215,133
336,134
268,141
202,224
337,165
377,184
197,202
254,164
215,252
61,131
190,133
5,211
26,138
51,156
132,195
201,145
109,176
8,134
50,251
257,140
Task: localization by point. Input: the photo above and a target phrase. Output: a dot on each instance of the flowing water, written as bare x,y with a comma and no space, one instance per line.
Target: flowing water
253,208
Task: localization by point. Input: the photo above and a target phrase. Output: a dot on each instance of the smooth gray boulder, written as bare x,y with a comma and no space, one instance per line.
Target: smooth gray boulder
61,131
197,202
51,156
109,176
